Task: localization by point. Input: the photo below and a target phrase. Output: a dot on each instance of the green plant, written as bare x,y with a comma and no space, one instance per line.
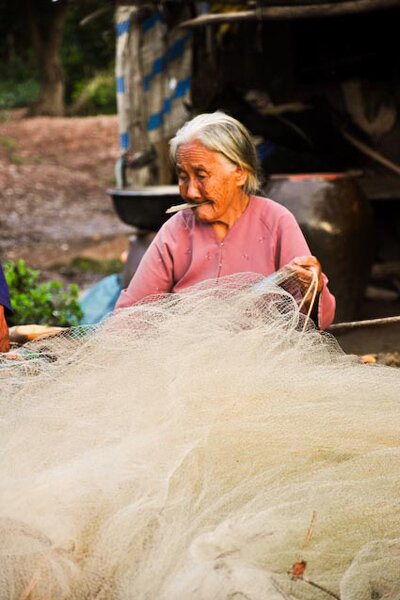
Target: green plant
42,303
83,264
94,96
15,94
4,115
9,146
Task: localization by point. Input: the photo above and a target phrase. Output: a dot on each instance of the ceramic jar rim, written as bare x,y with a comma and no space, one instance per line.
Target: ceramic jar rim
323,176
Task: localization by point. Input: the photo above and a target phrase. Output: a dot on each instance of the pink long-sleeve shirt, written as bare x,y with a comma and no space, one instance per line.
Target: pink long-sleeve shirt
186,251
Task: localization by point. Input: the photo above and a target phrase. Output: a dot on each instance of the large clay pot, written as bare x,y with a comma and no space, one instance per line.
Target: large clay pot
336,219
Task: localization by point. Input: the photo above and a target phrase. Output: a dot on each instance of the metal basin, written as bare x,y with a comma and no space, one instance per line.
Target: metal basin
144,207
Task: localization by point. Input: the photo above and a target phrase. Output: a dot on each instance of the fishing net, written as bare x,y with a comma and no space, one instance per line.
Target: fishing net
204,445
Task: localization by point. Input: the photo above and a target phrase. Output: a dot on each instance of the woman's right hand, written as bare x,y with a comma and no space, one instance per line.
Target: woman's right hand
304,268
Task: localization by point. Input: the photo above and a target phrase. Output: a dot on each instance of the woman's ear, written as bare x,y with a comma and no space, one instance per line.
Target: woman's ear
242,175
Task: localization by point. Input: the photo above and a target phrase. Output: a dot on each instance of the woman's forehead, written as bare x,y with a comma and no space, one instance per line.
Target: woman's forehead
195,154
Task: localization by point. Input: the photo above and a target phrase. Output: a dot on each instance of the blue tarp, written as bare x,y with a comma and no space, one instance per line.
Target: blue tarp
100,299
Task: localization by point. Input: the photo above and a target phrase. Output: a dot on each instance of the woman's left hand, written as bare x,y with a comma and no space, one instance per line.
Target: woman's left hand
303,268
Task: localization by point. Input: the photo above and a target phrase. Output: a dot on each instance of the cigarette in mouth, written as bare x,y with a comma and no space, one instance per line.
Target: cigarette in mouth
178,207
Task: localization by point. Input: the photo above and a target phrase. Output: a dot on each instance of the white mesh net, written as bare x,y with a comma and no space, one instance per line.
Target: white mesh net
196,447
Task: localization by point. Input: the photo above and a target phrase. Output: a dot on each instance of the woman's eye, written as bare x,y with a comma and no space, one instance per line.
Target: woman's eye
182,178
201,176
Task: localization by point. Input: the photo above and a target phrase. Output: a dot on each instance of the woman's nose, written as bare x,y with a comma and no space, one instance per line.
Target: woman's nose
192,190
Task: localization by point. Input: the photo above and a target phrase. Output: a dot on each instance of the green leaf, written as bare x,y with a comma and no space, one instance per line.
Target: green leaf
40,303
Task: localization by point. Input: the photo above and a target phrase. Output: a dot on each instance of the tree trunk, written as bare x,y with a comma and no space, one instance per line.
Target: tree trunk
46,27
51,98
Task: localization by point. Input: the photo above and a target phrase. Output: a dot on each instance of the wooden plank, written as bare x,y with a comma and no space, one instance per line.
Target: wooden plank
292,12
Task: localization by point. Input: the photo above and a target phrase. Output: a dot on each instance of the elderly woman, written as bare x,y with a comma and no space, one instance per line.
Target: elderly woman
226,229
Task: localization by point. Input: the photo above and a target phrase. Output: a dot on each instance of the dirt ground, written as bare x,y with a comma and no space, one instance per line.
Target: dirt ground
54,176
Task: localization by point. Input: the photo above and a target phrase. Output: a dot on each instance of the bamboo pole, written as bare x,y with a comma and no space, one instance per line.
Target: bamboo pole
291,12
374,154
365,323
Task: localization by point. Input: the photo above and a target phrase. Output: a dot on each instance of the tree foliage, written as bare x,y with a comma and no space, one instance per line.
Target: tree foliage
45,43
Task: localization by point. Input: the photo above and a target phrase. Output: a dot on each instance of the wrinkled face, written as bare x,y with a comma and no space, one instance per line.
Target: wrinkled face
208,179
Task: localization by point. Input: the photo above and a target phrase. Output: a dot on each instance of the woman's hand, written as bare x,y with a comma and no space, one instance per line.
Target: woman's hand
4,335
303,268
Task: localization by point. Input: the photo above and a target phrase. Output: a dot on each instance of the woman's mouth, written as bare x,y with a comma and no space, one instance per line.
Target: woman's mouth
198,204
179,207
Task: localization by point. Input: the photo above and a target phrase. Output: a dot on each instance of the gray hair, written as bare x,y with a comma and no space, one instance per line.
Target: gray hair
221,133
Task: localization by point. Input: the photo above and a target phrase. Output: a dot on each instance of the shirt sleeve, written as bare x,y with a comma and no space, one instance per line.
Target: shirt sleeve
4,294
154,274
290,242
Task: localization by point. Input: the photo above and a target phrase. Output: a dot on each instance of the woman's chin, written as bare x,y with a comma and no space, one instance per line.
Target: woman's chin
204,213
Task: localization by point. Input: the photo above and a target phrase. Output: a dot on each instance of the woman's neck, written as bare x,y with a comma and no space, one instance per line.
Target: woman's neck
237,208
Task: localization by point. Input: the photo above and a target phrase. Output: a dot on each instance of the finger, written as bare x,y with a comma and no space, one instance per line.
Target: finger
307,261
299,269
312,264
303,272
304,276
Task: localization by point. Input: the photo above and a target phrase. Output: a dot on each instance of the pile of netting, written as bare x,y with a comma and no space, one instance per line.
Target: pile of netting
199,446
